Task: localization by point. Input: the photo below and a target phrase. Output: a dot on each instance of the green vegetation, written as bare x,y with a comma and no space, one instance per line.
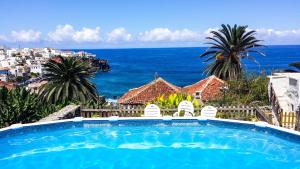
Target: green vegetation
68,80
228,47
22,106
295,65
33,75
246,91
173,100
21,79
95,104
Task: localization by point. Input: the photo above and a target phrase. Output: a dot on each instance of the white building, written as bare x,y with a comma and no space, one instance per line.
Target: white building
3,78
67,53
4,73
19,71
284,92
10,52
8,62
36,68
3,55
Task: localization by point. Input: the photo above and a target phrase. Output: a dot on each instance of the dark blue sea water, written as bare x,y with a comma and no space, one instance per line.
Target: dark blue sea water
132,68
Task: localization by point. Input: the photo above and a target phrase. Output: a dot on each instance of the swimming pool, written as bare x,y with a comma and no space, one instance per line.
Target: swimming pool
149,144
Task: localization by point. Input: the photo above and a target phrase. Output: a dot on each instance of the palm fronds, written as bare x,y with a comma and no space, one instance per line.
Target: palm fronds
228,46
68,79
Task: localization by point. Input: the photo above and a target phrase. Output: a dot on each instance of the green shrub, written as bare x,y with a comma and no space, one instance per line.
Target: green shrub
33,75
181,113
246,91
173,100
22,106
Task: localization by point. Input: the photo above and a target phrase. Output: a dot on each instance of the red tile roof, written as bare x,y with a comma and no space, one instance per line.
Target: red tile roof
4,68
56,59
208,88
7,85
149,92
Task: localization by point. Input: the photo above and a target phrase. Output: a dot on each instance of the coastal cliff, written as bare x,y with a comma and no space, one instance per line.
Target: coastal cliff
102,65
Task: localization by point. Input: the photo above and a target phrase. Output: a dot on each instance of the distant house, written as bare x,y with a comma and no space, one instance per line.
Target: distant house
36,68
148,92
4,73
19,70
35,87
7,85
206,89
284,92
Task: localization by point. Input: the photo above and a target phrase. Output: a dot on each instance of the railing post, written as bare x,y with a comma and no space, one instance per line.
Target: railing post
298,120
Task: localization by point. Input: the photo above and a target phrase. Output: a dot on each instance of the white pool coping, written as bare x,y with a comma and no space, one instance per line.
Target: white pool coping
165,118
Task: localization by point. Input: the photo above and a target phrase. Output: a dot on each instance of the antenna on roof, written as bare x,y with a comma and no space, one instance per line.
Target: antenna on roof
156,76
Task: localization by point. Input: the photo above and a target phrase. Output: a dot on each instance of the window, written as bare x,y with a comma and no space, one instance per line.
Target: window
197,95
293,82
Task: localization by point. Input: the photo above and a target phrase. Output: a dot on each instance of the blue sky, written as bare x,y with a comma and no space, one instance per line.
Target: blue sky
141,23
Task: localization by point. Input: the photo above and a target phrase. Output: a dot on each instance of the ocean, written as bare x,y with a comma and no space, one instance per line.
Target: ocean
131,68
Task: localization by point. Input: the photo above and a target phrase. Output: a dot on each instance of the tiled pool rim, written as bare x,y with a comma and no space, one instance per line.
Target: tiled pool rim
288,134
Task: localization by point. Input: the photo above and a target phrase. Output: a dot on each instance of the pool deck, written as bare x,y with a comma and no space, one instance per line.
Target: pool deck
115,118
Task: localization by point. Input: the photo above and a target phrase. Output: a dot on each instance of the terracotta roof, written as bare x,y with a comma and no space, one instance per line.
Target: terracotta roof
7,85
149,92
4,68
56,59
37,84
208,88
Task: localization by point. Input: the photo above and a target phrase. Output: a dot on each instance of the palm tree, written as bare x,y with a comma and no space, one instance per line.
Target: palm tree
228,46
68,80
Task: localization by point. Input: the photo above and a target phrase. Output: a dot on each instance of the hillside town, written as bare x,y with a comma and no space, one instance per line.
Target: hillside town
24,66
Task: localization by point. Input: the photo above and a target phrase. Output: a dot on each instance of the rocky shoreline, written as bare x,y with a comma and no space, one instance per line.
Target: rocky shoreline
102,65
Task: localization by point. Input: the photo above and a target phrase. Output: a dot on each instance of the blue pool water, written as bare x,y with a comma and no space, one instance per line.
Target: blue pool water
148,145
132,68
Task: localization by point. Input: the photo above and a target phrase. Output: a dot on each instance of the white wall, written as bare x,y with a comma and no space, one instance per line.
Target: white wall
3,78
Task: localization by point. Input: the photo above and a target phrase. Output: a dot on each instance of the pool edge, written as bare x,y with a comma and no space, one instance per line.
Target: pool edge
111,119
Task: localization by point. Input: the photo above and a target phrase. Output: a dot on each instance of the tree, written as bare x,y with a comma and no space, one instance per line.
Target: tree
68,79
250,90
229,46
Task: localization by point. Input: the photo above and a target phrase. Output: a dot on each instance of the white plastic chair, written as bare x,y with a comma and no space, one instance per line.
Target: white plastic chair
187,107
152,110
208,112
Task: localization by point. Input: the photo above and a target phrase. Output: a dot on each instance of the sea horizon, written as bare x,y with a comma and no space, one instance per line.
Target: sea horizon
163,47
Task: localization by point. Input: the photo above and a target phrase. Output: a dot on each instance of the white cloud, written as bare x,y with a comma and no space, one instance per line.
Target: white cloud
62,33
66,33
165,34
87,35
272,36
25,36
119,35
207,32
